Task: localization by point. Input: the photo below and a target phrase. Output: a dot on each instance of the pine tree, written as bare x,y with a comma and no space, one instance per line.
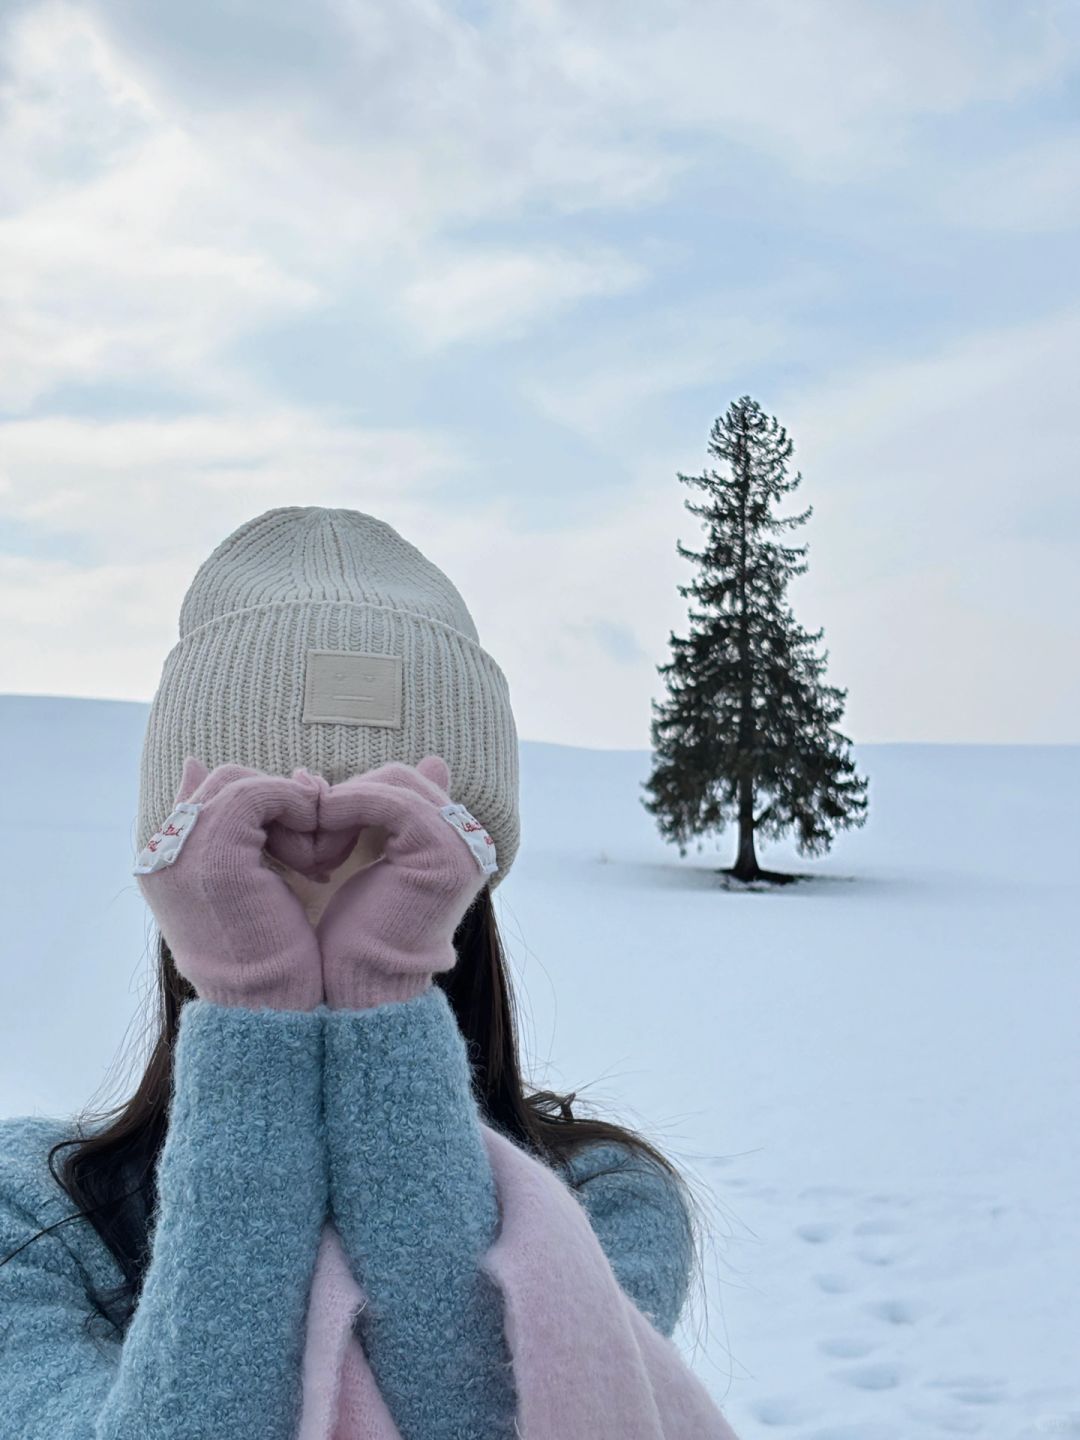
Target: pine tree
746,733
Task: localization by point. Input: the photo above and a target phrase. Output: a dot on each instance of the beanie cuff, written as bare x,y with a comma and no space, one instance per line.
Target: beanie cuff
222,680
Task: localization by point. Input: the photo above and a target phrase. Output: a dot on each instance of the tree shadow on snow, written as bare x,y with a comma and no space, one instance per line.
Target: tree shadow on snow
709,877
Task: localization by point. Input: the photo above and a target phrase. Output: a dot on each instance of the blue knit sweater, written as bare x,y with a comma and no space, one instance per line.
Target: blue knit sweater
277,1119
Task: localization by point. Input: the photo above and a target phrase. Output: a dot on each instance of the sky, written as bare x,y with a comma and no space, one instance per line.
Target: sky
490,272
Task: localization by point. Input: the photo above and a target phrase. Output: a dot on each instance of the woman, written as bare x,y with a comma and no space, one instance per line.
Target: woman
335,1035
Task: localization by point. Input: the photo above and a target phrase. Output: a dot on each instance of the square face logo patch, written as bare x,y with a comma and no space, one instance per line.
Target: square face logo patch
344,687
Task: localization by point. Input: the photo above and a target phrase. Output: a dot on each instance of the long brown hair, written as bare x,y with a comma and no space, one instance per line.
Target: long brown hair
111,1173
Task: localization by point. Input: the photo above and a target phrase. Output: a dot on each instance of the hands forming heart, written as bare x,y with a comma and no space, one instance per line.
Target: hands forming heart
240,934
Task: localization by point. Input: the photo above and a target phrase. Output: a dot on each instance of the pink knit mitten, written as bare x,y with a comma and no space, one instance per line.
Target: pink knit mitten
391,926
235,929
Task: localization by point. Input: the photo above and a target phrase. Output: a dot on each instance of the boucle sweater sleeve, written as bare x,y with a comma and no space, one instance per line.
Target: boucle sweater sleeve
213,1350
642,1223
413,1200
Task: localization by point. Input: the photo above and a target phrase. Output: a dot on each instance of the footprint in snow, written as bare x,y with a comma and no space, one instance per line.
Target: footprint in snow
825,1192
875,1255
894,1312
857,1432
878,1375
833,1284
882,1225
781,1410
971,1389
817,1232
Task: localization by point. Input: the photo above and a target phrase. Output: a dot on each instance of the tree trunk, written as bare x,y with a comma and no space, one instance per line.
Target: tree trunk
746,866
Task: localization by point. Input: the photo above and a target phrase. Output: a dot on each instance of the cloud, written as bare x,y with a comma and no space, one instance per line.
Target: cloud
1030,189
96,285
169,190
491,294
610,385
166,486
110,263
68,107
945,546
949,447
143,236
552,100
617,640
833,91
141,503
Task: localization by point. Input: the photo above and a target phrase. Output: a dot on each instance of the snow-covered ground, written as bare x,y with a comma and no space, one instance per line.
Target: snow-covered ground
873,1079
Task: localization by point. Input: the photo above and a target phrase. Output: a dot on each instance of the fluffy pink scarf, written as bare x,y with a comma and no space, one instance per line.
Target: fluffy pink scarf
587,1364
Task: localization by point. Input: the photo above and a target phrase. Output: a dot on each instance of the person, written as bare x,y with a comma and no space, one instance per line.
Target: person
336,1026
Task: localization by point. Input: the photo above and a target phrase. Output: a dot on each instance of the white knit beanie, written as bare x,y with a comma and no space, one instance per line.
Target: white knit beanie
321,638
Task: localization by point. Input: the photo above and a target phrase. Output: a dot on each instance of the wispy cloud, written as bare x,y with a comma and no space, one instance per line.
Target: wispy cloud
1032,188
487,295
169,483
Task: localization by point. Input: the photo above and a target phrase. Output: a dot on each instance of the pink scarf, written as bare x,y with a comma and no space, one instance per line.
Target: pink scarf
587,1363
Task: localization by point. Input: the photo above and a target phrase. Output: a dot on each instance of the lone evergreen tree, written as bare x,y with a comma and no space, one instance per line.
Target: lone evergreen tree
746,732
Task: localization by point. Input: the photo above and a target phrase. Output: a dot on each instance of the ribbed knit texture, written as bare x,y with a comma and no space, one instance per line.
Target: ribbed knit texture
300,578
246,1174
